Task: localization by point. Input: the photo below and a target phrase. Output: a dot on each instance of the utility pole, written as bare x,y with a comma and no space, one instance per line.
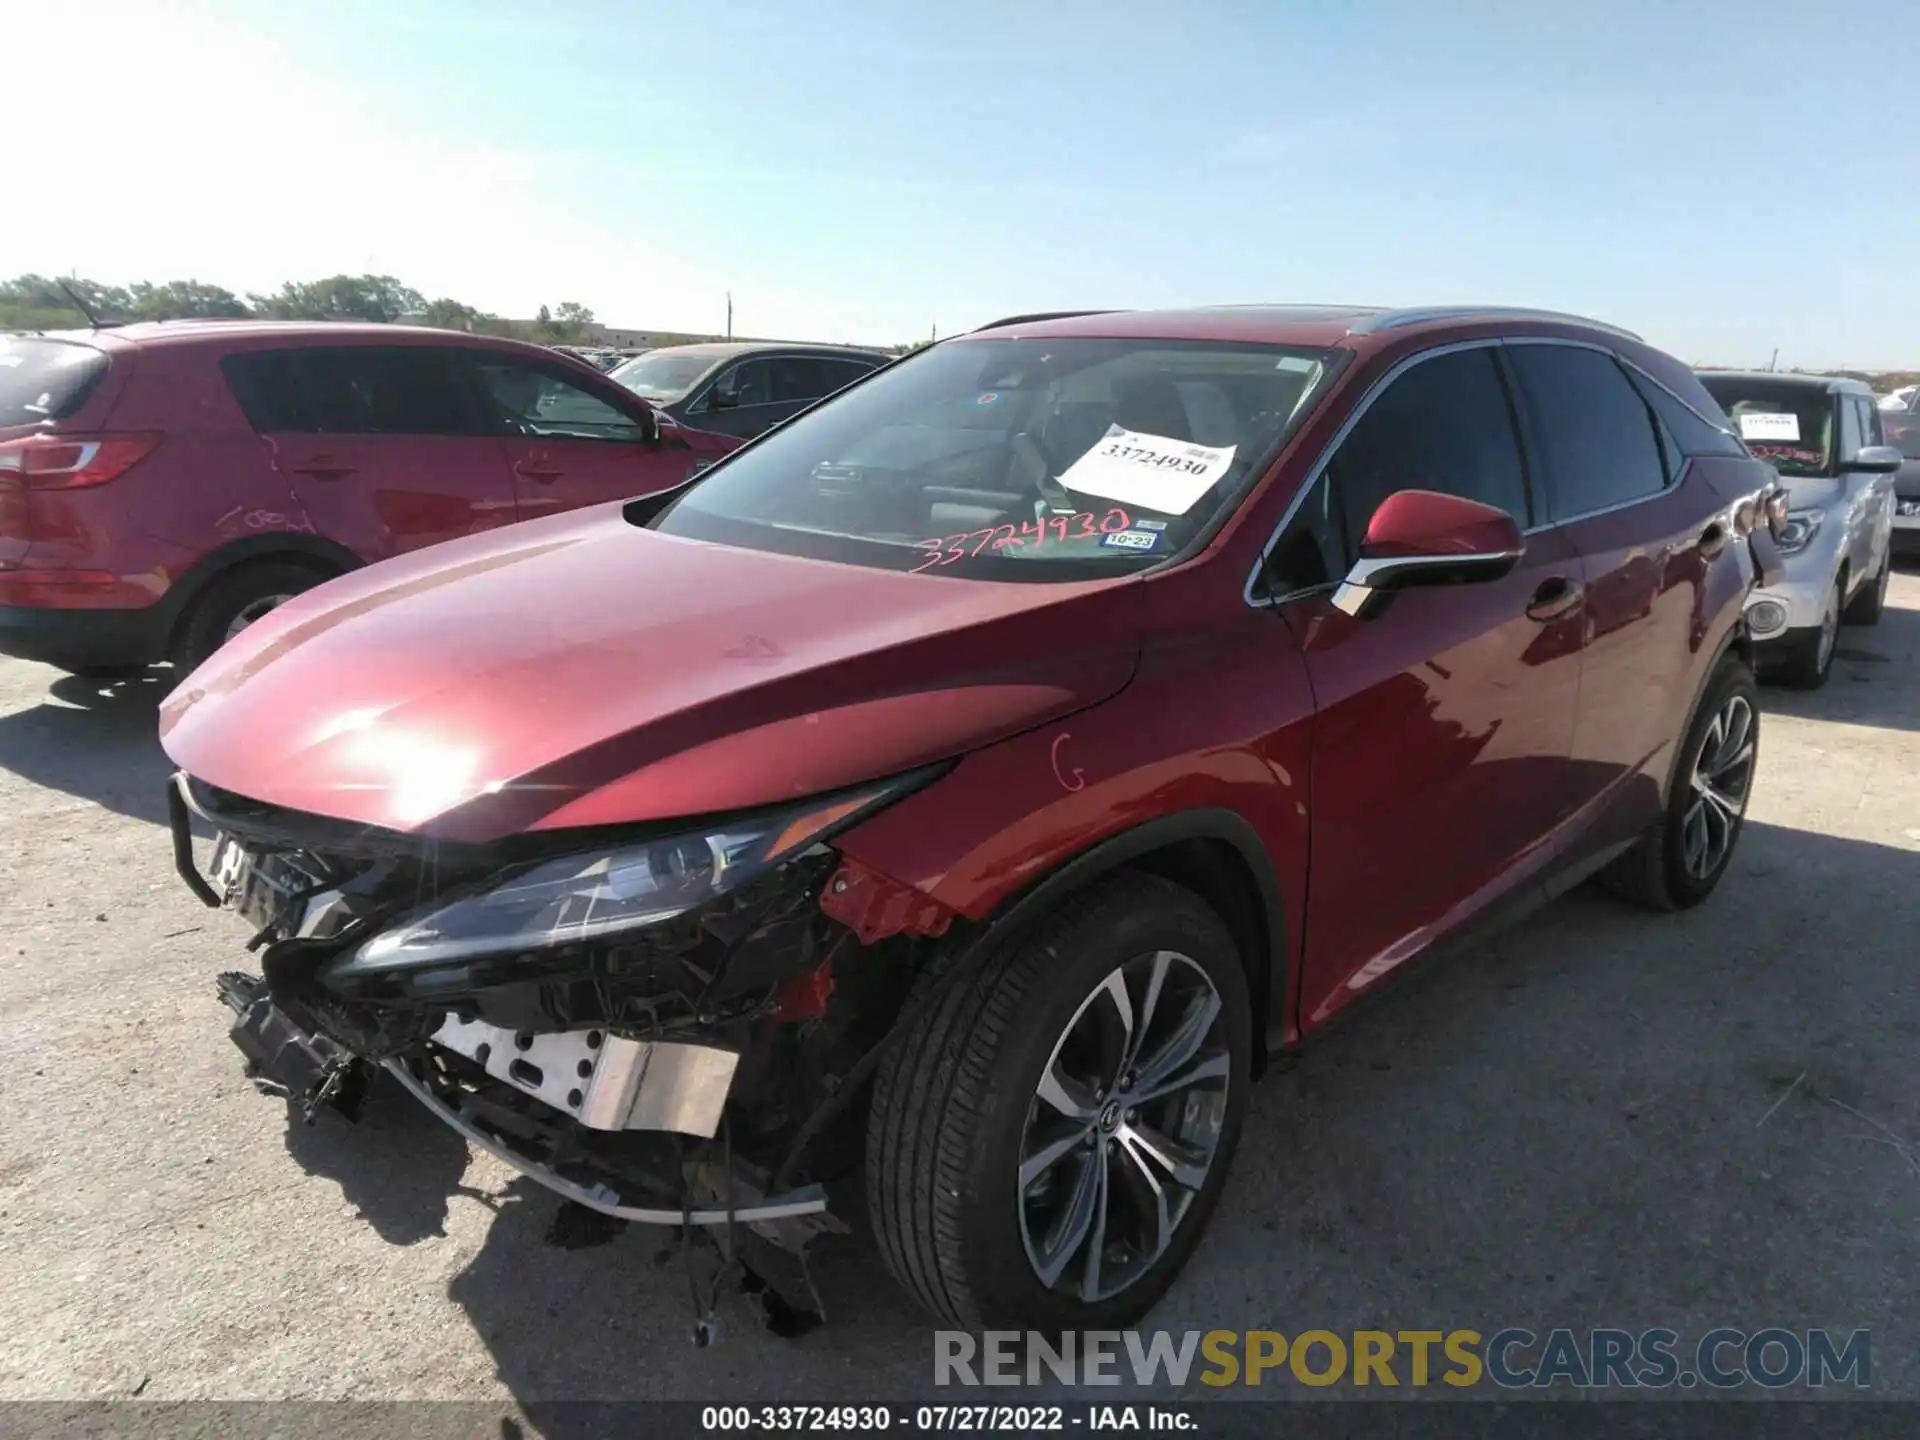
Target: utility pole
1775,360
729,314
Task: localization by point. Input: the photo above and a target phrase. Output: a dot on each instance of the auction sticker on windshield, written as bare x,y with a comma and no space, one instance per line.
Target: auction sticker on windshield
1154,472
1759,425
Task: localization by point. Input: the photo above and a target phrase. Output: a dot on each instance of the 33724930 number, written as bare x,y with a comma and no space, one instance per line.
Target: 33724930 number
1052,529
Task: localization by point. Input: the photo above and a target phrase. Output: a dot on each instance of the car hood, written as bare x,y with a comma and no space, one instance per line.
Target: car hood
581,671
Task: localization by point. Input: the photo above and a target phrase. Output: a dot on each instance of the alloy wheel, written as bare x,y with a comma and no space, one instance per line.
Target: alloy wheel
1722,777
253,611
1124,1126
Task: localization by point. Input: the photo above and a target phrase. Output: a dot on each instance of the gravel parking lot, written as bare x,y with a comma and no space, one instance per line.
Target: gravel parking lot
1603,1119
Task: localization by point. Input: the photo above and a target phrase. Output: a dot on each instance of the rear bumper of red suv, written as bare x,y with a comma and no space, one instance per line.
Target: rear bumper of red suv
84,639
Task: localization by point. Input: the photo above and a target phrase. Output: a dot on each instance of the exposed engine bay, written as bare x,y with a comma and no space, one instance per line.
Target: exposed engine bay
665,1028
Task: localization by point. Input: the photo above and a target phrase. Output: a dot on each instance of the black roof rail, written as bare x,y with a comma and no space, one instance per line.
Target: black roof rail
1036,317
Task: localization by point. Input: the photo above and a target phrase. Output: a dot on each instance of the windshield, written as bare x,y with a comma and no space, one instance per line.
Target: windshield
1033,459
660,376
44,380
1790,426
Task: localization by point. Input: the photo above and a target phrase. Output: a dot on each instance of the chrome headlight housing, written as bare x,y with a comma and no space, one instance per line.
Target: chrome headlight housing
593,894
1801,527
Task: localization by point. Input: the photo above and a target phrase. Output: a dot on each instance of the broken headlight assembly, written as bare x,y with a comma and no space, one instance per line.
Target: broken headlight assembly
597,895
1801,527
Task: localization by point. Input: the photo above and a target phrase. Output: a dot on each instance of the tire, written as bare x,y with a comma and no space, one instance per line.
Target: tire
957,1093
1810,665
1872,599
1658,873
228,600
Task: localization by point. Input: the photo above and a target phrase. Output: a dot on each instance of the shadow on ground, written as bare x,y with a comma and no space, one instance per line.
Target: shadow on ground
1870,685
94,739
398,1165
1602,1118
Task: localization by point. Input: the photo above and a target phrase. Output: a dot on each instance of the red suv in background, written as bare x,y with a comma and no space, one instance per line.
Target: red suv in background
968,784
164,485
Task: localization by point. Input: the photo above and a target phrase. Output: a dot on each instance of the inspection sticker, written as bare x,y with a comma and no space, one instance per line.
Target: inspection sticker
1760,425
1154,472
1131,539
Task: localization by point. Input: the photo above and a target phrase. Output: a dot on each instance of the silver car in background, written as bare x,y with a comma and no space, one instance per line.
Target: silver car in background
1825,436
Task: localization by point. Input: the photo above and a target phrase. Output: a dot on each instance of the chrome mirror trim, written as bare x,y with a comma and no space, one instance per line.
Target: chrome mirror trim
1371,578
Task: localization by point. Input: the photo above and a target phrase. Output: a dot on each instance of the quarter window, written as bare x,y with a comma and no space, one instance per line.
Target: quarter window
1593,434
1680,422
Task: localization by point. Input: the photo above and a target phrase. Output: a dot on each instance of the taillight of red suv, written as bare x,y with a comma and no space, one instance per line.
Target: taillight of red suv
72,462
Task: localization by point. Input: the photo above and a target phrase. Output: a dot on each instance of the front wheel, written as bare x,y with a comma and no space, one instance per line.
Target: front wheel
1868,605
1052,1130
1677,864
1810,663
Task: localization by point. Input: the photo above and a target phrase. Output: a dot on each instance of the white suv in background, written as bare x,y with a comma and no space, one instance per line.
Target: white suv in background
1825,437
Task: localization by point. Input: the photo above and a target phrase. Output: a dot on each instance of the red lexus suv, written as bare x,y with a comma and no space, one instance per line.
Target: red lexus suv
961,790
164,485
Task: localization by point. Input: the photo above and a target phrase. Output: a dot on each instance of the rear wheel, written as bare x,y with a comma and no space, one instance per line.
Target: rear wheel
233,602
1678,864
1051,1132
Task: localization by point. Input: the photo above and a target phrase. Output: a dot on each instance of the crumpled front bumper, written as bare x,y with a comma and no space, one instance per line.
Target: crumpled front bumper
314,1069
749,1206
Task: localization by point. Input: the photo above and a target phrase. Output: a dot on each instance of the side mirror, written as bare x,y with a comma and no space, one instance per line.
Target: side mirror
1876,460
718,399
1421,537
666,429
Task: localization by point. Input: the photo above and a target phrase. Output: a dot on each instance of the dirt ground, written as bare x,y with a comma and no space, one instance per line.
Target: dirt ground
1604,1118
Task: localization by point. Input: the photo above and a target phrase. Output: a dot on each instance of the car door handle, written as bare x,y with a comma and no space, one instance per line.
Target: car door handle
322,467
544,471
1713,539
1554,598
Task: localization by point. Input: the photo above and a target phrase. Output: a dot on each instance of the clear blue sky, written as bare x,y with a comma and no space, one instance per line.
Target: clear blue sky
1725,178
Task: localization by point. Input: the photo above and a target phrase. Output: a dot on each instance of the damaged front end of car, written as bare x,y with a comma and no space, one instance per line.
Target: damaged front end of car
665,1024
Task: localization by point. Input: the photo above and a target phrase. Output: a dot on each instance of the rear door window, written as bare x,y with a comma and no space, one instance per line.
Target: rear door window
44,380
357,390
1594,436
800,377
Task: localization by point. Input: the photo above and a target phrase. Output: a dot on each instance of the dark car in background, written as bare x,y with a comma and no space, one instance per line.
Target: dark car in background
927,791
742,389
164,485
1903,433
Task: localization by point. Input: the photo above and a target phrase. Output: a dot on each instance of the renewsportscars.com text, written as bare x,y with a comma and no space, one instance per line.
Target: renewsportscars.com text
1772,1357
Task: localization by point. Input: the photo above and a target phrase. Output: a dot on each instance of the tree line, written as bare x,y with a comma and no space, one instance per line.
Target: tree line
38,302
